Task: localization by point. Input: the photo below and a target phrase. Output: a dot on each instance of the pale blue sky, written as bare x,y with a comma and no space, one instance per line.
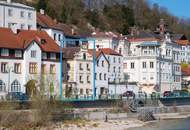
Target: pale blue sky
179,8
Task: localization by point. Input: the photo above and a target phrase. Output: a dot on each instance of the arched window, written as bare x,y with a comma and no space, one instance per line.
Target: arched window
2,86
15,86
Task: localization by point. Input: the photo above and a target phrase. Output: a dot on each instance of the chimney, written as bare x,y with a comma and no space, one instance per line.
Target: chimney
9,1
42,11
73,31
14,29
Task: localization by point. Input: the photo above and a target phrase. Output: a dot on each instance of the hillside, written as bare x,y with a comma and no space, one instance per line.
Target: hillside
113,15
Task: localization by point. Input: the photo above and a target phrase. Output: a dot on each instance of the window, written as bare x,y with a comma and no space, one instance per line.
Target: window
132,65
43,68
81,91
54,36
120,50
10,12
87,67
52,56
4,52
114,60
151,64
88,79
18,53
97,62
33,68
84,56
119,60
87,91
22,14
102,63
44,55
29,27
17,68
4,67
144,65
80,78
114,69
119,69
22,26
80,66
59,37
15,86
105,77
2,86
29,15
33,54
52,69
100,76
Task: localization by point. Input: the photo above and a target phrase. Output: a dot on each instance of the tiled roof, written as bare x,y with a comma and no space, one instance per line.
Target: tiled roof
45,21
9,40
98,54
23,38
108,51
98,34
142,39
26,36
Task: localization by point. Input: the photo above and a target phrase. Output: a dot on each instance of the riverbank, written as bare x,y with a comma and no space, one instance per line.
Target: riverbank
111,124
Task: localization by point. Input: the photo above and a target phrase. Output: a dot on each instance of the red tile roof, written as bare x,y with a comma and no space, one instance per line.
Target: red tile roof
109,51
26,36
142,39
46,21
98,53
8,39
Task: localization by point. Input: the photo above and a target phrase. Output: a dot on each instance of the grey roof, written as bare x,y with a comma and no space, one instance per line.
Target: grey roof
149,44
18,5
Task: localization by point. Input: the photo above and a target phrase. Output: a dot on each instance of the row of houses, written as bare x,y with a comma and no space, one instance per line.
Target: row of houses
30,43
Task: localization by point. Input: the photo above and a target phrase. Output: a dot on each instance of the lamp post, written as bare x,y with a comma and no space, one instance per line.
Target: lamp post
61,66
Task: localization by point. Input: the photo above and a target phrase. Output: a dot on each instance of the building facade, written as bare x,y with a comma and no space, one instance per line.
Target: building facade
28,56
17,16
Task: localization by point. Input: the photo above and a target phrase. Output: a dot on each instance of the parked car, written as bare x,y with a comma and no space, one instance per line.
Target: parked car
128,94
180,93
18,96
168,94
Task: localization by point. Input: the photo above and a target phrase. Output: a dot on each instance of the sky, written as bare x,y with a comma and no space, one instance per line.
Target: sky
180,8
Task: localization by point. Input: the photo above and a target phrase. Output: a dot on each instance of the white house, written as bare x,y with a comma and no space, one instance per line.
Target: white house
101,75
153,62
27,56
17,16
116,79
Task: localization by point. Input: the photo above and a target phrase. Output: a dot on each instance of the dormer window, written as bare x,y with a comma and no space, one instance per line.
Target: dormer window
52,56
18,53
4,52
43,41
